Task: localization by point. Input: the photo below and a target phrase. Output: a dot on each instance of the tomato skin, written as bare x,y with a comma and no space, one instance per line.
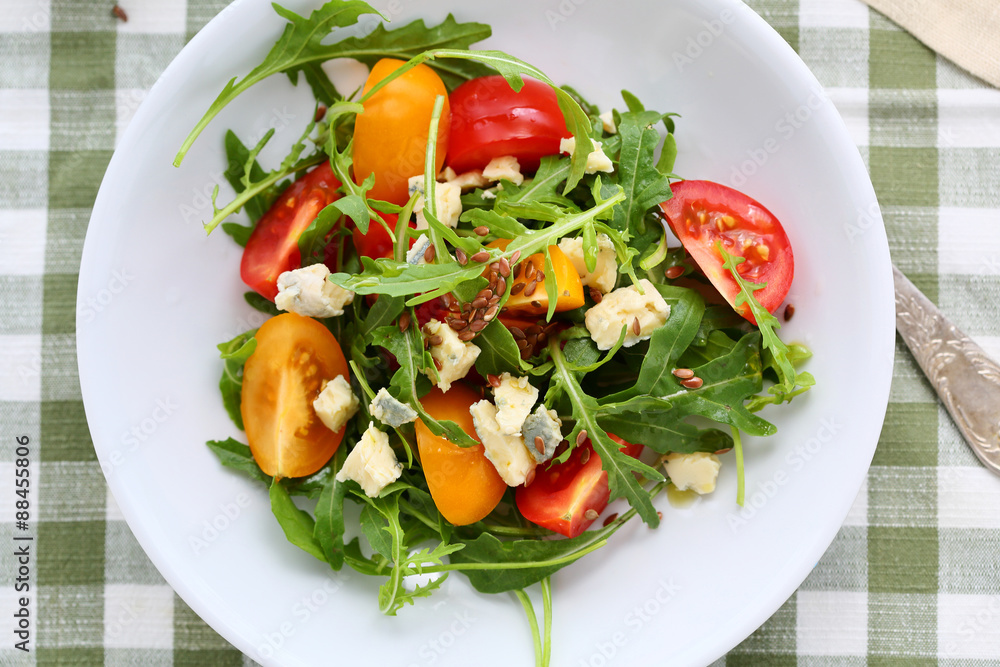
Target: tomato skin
377,242
488,120
464,484
702,213
562,493
390,137
281,379
273,246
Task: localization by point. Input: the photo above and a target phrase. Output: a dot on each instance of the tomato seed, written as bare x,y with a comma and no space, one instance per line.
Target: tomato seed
591,515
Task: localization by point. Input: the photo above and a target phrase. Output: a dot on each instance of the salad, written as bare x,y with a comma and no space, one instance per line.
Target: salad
481,330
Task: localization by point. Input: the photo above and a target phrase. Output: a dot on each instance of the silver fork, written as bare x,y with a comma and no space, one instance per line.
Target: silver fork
965,378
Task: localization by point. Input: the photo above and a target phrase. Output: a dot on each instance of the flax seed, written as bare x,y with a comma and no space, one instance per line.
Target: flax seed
539,444
584,456
481,256
429,254
610,518
529,271
490,313
516,271
536,304
720,452
494,267
480,303
485,293
683,373
320,113
789,312
636,327
517,333
693,383
521,343
595,295
674,272
119,14
539,276
516,256
581,437
501,287
462,258
482,230
504,268
435,340
478,325
457,324
529,478
591,515
530,289
517,288
466,335
659,515
404,321
437,364
493,380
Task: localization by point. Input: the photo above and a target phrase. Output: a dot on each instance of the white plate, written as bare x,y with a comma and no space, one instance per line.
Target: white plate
161,295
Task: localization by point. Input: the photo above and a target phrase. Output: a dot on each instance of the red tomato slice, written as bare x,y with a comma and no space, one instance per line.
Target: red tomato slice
377,242
273,247
490,120
702,213
562,493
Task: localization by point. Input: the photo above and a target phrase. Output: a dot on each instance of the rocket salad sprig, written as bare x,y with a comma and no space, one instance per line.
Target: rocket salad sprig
650,363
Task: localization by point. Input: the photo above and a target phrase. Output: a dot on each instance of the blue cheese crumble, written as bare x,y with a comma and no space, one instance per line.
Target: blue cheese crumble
390,411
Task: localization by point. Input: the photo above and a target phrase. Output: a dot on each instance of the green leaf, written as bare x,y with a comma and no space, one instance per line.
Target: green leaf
297,525
313,238
236,455
237,156
502,226
329,528
498,353
668,156
261,303
238,232
234,354
644,185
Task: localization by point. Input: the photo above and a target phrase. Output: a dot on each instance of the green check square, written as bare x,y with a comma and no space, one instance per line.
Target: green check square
60,374
82,120
909,436
59,307
82,61
782,15
902,559
776,640
64,236
902,629
904,176
82,15
193,635
903,117
125,561
216,658
70,657
64,432
844,566
72,491
71,553
200,12
75,176
898,60
913,238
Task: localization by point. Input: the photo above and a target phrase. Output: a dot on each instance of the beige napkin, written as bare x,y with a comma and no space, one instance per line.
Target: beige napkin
964,31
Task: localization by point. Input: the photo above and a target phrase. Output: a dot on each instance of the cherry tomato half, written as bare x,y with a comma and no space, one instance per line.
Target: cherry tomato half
390,137
702,213
489,120
281,379
464,484
377,242
273,247
562,493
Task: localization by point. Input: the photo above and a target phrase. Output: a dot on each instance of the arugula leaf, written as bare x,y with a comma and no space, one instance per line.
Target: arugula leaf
665,432
234,354
498,353
239,233
644,185
766,322
313,238
234,454
297,524
261,303
238,156
329,528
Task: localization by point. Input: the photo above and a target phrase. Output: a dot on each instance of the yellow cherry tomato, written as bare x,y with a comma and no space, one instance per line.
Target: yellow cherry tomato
569,288
390,137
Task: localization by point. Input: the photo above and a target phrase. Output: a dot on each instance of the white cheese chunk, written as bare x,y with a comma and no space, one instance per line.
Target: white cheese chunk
307,291
514,399
596,159
507,453
697,471
336,404
608,121
620,309
390,411
448,204
415,255
447,174
371,463
544,424
454,355
605,271
470,179
506,167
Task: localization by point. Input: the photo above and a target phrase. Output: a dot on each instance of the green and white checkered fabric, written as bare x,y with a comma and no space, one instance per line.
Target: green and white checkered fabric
913,577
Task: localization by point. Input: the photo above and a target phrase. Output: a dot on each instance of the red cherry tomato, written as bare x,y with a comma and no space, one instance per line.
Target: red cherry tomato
273,247
377,242
562,493
490,120
702,213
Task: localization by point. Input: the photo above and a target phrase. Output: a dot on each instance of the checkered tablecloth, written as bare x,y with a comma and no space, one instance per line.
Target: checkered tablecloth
913,578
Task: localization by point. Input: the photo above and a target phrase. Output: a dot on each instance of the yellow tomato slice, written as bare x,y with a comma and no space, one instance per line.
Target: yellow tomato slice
281,379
